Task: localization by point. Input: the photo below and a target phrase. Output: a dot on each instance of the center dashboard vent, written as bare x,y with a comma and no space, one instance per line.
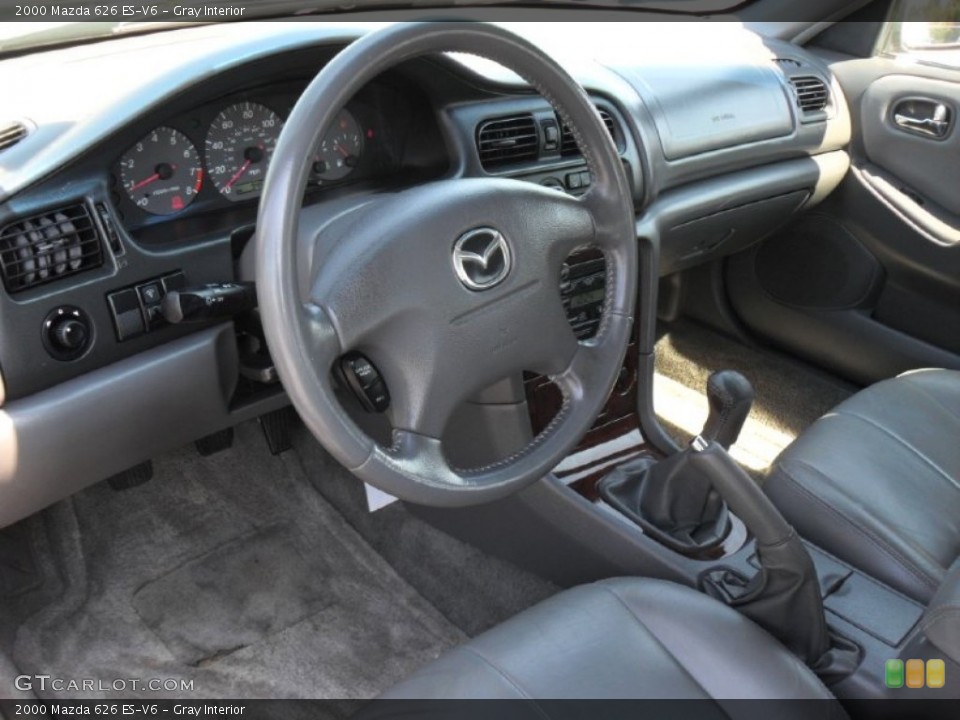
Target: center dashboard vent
49,246
811,92
568,145
507,140
11,133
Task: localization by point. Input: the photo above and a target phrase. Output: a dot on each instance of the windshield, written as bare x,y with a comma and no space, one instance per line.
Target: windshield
59,23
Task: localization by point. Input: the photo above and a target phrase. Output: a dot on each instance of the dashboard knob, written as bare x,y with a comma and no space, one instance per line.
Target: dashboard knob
70,334
67,333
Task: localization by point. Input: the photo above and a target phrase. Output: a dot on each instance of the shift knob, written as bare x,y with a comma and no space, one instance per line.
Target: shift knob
730,395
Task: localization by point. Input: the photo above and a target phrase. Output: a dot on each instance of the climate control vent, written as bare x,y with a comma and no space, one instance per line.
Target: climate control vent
811,92
507,140
49,246
11,133
568,145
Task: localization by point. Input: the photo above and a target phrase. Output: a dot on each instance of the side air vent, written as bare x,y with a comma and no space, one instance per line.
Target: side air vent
787,62
47,247
507,140
568,145
811,93
11,133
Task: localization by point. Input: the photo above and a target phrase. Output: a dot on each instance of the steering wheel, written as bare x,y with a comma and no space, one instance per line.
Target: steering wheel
447,287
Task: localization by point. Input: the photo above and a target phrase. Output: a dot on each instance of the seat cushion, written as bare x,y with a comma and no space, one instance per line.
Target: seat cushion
876,482
625,638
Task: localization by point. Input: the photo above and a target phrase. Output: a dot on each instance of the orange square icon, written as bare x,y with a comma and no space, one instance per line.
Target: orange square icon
936,674
915,673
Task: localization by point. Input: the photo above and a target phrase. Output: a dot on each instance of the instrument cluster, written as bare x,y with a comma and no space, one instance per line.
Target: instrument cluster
221,153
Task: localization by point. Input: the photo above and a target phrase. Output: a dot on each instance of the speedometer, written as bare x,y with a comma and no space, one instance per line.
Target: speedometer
240,143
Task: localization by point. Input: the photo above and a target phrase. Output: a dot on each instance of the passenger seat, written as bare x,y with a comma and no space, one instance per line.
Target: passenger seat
876,482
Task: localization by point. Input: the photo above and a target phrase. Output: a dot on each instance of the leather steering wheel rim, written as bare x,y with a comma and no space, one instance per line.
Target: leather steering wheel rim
431,349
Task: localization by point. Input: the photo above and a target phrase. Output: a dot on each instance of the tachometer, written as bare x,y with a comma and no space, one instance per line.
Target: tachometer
162,172
340,149
240,143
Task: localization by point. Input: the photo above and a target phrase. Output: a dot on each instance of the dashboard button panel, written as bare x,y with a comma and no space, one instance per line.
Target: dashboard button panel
136,310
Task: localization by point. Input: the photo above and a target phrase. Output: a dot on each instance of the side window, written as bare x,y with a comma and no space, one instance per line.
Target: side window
926,31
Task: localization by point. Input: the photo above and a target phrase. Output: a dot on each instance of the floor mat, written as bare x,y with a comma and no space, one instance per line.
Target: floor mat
789,395
472,588
232,575
241,593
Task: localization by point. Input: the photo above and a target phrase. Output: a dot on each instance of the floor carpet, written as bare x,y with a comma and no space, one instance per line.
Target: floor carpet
231,572
789,395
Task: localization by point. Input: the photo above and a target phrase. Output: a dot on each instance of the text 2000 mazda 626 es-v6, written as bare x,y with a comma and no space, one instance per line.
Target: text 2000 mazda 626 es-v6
467,352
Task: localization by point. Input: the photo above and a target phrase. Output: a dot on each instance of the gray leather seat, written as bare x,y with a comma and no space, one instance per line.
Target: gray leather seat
876,482
624,638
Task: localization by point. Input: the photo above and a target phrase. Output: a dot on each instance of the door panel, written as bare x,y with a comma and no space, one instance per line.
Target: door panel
869,285
927,163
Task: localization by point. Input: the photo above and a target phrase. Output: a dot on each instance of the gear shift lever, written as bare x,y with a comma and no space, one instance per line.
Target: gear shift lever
730,395
673,502
784,596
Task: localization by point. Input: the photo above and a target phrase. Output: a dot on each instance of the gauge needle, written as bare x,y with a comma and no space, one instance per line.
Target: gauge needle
339,148
238,174
144,183
163,172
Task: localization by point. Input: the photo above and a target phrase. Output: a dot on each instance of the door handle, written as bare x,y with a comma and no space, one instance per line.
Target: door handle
923,117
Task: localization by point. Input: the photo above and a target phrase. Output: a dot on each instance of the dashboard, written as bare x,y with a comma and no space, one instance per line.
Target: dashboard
216,154
148,181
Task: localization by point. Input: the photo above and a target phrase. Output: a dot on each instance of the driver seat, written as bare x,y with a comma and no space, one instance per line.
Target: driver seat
625,638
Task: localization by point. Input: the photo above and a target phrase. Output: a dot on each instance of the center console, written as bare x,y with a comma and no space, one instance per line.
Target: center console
618,506
615,435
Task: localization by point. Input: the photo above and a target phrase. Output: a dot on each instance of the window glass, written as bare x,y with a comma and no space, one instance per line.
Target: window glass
924,30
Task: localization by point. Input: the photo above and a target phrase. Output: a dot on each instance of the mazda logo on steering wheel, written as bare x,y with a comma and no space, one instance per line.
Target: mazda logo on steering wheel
481,258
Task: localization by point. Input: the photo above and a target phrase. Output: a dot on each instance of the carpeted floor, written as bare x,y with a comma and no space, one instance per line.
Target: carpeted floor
474,590
231,572
789,395
235,573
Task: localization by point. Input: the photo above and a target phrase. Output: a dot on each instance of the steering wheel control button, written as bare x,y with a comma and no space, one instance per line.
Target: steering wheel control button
365,381
67,333
482,258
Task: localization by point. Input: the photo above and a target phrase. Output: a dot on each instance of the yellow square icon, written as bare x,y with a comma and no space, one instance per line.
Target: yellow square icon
915,673
936,673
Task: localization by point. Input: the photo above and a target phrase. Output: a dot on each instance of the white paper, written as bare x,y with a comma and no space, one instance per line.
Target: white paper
377,499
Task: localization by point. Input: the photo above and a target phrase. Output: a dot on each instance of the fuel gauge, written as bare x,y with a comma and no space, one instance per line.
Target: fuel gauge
340,149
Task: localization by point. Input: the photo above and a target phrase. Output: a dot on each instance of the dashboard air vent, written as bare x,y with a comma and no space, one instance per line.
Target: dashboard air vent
811,93
568,146
11,133
47,247
507,140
